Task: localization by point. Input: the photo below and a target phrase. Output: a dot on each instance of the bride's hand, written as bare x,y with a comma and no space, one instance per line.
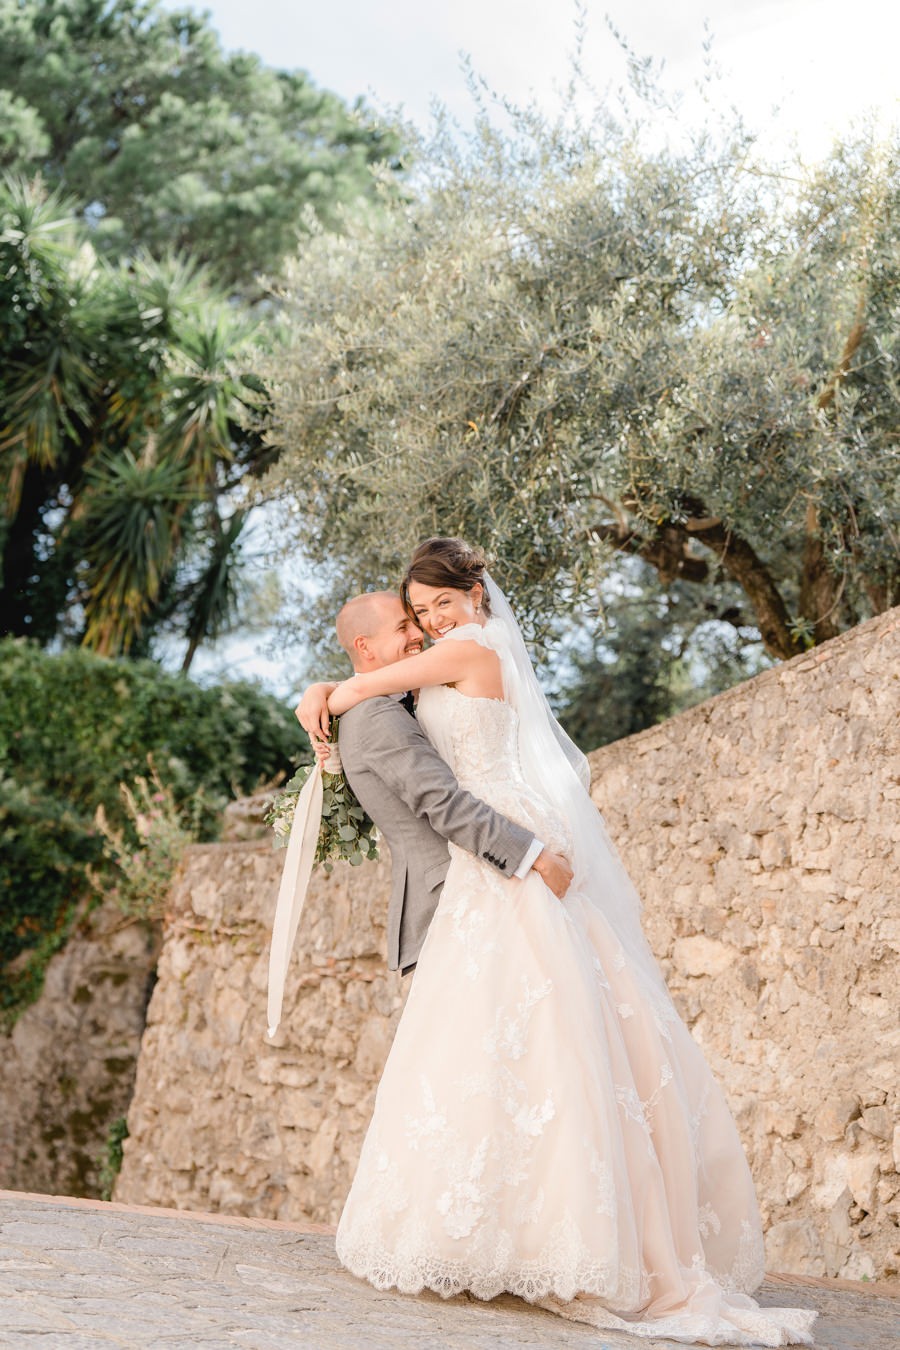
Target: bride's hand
312,711
323,751
555,872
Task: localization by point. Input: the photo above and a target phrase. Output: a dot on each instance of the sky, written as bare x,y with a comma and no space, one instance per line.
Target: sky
822,63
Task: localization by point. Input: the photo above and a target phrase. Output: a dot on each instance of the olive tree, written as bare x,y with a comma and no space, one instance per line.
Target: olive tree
576,344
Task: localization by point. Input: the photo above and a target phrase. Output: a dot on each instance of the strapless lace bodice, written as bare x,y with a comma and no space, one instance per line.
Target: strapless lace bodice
479,739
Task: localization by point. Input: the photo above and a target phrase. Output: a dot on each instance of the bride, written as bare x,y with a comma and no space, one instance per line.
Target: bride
545,1123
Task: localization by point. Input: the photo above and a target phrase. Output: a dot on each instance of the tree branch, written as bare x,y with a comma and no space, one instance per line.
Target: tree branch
659,552
508,402
851,346
669,552
820,591
742,563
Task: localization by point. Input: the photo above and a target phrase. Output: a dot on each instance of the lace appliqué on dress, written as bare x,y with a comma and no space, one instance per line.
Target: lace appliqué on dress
545,1124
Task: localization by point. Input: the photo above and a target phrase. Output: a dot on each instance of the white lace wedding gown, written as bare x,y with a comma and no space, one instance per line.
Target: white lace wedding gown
545,1124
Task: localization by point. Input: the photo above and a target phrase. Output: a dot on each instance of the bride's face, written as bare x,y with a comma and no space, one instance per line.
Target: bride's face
438,609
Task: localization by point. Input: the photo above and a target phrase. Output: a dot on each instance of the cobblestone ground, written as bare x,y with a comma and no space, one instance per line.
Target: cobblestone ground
81,1274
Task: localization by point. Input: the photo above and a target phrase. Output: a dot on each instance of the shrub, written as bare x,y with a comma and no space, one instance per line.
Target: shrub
139,877
111,1161
73,727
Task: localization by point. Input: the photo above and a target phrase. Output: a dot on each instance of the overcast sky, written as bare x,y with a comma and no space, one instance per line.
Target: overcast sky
823,61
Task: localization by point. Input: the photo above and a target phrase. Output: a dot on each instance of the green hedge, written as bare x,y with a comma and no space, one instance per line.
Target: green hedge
72,727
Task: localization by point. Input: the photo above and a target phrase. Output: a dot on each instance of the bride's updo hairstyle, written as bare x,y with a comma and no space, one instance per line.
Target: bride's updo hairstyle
450,564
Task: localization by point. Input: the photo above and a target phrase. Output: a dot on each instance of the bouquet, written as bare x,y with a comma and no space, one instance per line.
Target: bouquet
346,833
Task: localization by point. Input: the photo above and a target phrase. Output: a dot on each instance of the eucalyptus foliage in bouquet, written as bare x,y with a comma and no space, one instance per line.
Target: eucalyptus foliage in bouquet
346,833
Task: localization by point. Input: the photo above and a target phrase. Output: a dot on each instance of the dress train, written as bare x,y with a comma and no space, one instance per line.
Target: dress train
545,1124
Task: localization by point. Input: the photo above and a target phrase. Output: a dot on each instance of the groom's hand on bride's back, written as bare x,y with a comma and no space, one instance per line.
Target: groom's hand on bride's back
555,872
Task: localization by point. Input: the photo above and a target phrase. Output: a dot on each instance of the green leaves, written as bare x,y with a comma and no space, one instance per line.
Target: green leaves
575,346
169,142
131,533
72,728
124,418
346,833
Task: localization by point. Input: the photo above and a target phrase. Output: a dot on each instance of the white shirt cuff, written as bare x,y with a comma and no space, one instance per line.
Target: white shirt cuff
534,851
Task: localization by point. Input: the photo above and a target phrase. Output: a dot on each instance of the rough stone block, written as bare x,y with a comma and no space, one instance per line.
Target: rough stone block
794,1245
863,1173
877,1120
700,955
833,1118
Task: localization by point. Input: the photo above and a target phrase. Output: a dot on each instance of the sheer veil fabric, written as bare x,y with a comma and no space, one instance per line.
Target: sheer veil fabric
554,767
545,1123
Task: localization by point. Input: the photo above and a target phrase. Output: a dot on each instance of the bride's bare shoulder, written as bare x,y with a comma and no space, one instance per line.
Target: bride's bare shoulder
480,671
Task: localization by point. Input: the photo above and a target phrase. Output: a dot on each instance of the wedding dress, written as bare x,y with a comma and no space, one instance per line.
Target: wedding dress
545,1124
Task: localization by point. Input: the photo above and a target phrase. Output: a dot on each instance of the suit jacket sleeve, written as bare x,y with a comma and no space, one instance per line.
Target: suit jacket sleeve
393,746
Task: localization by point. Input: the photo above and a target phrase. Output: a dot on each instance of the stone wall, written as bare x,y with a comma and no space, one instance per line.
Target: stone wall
223,1118
764,830
67,1068
761,828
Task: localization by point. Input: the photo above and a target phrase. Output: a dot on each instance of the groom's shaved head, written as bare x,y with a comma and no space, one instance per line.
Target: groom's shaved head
375,630
364,616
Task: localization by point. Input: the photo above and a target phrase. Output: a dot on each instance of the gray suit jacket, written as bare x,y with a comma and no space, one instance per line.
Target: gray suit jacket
417,804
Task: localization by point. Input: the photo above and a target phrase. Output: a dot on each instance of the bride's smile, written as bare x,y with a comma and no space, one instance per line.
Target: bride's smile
439,610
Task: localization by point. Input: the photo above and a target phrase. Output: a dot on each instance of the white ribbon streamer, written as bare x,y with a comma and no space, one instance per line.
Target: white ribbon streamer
298,865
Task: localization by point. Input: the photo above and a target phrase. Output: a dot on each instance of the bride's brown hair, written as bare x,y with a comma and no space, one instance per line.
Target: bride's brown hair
445,562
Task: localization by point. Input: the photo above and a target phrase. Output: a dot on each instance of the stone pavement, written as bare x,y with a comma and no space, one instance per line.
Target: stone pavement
84,1275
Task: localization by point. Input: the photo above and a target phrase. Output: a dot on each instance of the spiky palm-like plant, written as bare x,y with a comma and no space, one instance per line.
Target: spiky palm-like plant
125,428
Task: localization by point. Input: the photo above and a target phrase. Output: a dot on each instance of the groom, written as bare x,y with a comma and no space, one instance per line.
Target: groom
407,789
